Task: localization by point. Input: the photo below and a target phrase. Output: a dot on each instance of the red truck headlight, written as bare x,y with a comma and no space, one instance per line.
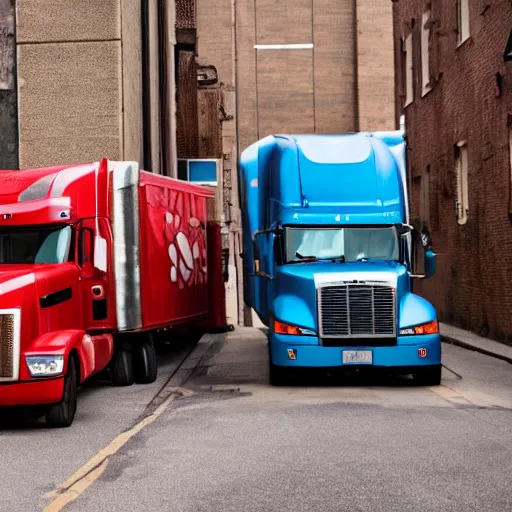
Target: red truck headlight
45,366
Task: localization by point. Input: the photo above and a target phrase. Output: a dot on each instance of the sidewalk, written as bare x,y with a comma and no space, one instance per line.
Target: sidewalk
471,341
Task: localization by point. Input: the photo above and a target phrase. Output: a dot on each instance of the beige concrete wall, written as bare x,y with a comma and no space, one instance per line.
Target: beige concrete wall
214,37
285,105
335,79
283,21
67,20
375,65
69,106
246,74
79,81
131,35
296,90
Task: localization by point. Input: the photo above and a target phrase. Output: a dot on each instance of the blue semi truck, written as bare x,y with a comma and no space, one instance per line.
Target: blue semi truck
328,251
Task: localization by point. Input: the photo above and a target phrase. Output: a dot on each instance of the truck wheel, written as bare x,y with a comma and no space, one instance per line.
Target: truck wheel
429,377
121,369
277,375
144,362
62,414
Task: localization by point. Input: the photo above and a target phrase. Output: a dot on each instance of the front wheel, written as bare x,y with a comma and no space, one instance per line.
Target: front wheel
61,415
277,375
431,376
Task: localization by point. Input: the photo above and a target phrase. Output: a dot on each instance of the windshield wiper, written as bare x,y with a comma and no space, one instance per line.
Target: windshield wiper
314,258
301,257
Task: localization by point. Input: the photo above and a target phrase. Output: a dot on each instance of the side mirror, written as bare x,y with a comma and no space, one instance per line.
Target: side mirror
257,257
430,263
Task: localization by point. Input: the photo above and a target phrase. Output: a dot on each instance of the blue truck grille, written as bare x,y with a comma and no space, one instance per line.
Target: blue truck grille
356,310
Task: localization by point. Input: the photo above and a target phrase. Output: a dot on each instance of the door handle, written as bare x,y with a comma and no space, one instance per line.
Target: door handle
98,292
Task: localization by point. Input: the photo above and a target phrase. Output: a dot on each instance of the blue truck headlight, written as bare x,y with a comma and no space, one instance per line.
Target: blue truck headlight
428,328
45,366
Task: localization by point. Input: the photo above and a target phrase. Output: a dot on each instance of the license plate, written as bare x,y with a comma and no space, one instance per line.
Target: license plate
357,356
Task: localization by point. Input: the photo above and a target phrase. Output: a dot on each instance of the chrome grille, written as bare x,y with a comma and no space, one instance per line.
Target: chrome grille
356,310
6,346
9,344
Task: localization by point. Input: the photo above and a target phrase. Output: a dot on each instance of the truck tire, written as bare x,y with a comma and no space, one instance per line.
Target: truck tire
429,377
61,415
277,375
121,370
144,362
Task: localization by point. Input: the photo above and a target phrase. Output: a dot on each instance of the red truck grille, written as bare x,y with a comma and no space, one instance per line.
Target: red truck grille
7,346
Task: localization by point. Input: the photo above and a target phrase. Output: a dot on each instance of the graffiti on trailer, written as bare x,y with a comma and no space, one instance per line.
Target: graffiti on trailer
176,219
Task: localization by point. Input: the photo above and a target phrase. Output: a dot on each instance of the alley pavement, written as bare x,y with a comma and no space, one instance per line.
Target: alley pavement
230,442
35,459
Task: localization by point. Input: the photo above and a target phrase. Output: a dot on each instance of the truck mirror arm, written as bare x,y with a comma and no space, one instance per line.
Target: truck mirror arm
263,232
259,273
262,274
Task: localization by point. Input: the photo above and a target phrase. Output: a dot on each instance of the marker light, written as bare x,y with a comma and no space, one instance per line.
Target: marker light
428,328
282,328
45,366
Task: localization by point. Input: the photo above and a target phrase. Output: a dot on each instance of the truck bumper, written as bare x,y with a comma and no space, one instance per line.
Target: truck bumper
308,353
36,392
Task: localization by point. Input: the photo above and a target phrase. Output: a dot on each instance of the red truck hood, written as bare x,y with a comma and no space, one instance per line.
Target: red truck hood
23,286
13,284
14,278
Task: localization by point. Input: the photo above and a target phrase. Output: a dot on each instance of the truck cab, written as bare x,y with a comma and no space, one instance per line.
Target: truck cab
328,255
96,260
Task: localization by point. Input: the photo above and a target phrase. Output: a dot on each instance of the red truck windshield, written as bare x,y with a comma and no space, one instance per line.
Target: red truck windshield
35,245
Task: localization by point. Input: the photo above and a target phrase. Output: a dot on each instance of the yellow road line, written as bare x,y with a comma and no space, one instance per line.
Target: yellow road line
77,489
76,485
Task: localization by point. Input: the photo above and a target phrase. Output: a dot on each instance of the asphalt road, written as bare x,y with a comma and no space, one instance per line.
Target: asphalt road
36,459
232,443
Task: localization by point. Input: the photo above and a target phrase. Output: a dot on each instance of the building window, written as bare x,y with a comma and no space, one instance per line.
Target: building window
462,21
461,169
199,171
409,89
425,54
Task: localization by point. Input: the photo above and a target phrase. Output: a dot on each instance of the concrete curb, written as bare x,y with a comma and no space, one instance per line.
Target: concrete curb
468,346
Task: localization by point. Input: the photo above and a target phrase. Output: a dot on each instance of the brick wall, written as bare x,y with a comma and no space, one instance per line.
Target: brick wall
375,77
307,90
473,285
185,14
344,83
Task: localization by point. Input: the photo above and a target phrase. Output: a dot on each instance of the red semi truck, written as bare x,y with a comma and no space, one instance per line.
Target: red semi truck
93,258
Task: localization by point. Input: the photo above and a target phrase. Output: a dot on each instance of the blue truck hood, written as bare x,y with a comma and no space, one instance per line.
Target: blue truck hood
295,286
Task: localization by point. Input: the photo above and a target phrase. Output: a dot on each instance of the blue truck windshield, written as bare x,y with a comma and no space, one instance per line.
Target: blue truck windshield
353,244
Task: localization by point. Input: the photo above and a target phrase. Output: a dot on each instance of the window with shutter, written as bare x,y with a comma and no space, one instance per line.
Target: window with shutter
409,70
425,53
462,21
461,170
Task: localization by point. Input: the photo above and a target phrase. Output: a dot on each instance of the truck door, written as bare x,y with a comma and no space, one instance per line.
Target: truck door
96,291
265,247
